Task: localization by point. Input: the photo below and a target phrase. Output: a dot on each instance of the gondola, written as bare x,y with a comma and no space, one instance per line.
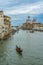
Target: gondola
18,49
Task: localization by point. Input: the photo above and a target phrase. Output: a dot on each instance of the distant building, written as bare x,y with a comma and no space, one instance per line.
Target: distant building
29,24
35,24
5,25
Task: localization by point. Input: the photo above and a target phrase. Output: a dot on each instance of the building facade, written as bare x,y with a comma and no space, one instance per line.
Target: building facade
5,25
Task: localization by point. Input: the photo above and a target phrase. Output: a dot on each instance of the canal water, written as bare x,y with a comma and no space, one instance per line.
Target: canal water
32,45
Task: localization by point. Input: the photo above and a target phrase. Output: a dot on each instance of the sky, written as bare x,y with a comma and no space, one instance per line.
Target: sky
19,10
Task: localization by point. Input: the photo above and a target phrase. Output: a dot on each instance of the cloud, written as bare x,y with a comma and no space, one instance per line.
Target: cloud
16,19
6,4
35,8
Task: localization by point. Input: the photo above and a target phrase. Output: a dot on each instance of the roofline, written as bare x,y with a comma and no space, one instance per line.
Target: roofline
7,16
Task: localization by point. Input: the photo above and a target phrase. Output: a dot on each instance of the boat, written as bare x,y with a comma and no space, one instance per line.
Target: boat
18,49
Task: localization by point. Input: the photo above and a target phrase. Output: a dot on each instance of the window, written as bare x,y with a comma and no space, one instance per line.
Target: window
5,22
0,15
3,31
2,26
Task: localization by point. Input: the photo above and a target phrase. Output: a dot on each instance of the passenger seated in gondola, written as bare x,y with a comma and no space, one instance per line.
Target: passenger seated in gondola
18,48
